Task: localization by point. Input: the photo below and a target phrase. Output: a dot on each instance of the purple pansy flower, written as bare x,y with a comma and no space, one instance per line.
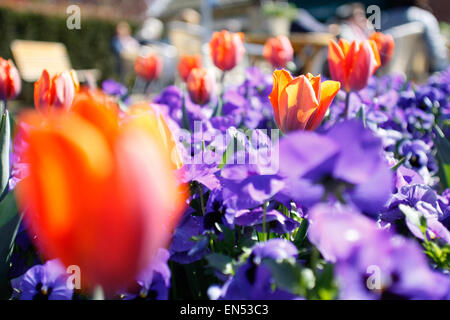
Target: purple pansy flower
182,242
44,282
275,220
346,163
372,263
253,280
154,282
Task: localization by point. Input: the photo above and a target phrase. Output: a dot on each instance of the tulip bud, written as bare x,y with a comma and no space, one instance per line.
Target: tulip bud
148,67
10,83
353,64
200,84
385,45
227,49
278,51
55,93
300,103
187,63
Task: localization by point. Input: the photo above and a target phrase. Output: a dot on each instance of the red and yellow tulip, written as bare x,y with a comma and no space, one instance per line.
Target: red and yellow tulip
278,51
56,93
10,83
352,64
101,191
148,67
227,49
300,103
187,63
385,45
200,84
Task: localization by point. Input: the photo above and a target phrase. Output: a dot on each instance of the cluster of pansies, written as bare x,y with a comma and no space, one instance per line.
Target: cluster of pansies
198,195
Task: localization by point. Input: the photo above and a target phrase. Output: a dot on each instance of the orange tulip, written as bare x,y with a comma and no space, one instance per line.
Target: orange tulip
10,83
148,67
353,64
101,192
278,51
227,49
200,86
55,93
187,63
300,103
385,44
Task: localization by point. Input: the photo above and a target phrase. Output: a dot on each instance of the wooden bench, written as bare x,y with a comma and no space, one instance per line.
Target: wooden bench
32,57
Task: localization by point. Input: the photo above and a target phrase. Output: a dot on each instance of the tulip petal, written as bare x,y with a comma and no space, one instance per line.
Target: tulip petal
41,87
364,65
376,54
329,90
281,78
315,82
336,62
298,96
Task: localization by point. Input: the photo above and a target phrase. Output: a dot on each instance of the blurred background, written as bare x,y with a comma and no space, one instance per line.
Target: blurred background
112,33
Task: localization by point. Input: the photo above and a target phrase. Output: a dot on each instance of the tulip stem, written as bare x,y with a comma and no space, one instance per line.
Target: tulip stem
347,104
3,107
222,81
264,226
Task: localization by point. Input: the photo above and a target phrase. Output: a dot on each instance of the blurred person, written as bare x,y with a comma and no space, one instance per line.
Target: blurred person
151,30
189,15
123,44
399,12
305,22
353,22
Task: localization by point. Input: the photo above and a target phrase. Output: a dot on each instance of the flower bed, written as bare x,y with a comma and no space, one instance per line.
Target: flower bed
198,195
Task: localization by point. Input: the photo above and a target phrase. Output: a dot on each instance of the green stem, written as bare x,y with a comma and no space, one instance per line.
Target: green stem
347,104
202,202
222,81
264,227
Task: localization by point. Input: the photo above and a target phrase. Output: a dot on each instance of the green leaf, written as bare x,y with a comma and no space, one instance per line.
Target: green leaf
9,224
236,143
442,144
8,209
362,115
5,137
221,262
415,217
301,233
326,287
185,119
287,275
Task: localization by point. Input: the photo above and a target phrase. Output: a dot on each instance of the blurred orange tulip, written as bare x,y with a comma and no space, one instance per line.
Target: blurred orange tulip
10,83
55,93
187,63
385,44
353,64
101,192
200,84
227,49
148,67
278,51
300,103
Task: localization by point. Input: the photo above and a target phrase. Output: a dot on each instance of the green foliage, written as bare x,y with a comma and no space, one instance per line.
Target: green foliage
9,224
279,10
443,156
5,135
